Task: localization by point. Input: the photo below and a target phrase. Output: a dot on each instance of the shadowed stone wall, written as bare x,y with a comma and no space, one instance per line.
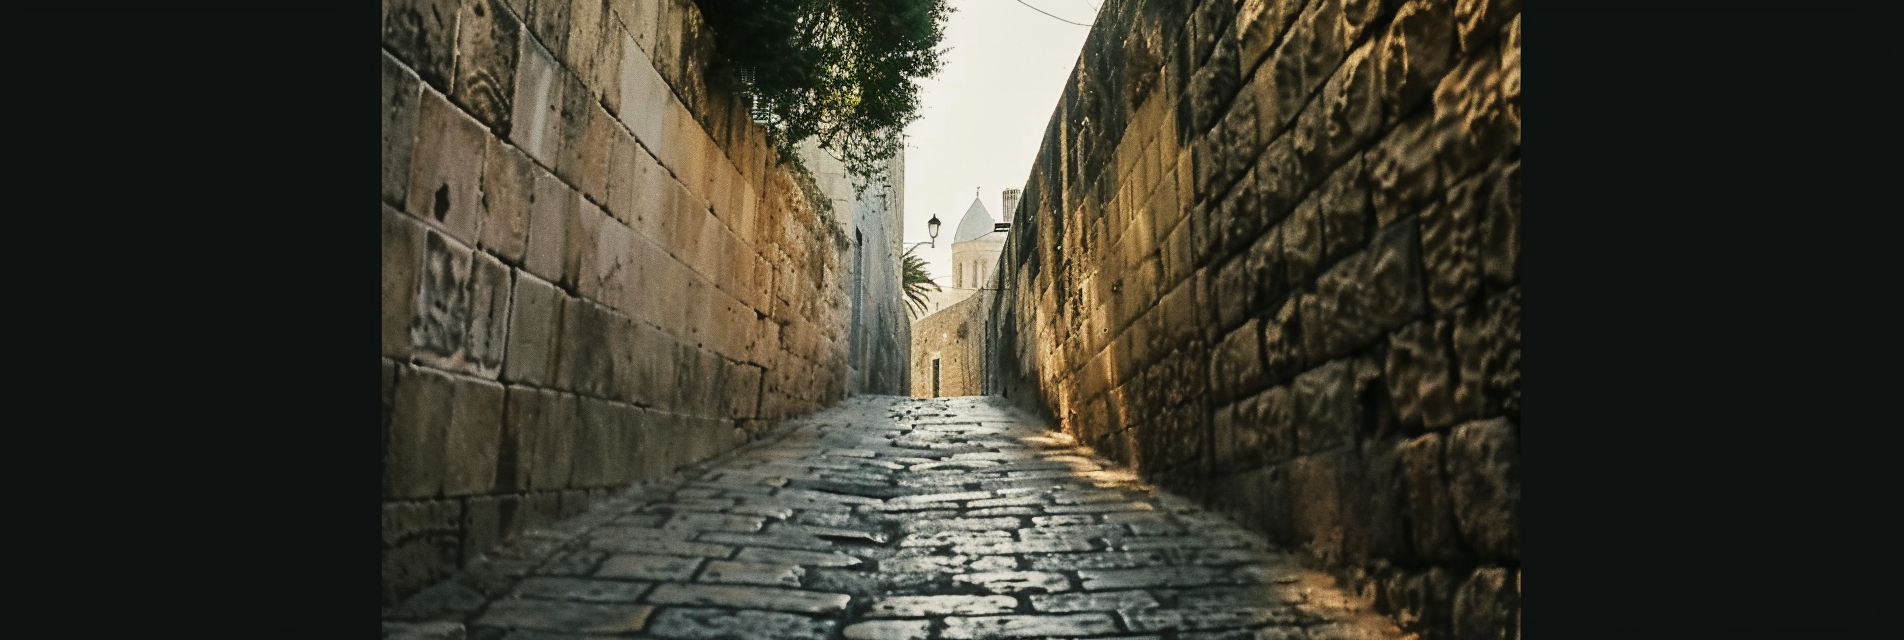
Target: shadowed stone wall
1268,255
595,270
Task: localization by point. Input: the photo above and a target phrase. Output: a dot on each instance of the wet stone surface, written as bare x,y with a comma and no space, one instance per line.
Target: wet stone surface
892,518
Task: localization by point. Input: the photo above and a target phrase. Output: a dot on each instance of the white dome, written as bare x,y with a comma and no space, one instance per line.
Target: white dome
977,222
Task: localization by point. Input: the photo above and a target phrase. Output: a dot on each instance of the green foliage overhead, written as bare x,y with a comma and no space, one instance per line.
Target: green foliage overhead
916,281
843,71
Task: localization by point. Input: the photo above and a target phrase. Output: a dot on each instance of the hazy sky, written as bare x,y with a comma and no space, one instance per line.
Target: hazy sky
984,115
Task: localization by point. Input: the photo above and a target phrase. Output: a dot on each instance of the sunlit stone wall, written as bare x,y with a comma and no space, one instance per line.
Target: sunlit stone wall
595,270
1269,256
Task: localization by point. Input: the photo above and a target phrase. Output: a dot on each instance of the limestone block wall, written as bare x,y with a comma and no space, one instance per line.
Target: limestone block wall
1269,255
595,269
955,337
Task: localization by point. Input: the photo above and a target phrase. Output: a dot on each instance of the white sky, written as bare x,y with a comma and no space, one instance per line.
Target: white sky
984,115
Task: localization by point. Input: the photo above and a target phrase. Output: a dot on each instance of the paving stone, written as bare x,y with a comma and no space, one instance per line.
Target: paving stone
1100,601
578,617
1185,619
1017,581
581,590
723,624
749,598
782,575
1099,579
1033,626
804,558
923,606
644,567
890,630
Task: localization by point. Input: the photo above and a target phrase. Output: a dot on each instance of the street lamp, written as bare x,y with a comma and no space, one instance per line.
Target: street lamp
932,231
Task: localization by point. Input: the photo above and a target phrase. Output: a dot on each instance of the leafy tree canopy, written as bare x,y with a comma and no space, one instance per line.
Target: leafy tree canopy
841,70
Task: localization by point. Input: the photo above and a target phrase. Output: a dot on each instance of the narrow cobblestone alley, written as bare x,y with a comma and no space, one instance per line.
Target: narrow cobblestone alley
891,518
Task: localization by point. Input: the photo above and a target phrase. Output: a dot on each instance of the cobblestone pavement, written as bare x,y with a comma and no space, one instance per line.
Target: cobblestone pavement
891,518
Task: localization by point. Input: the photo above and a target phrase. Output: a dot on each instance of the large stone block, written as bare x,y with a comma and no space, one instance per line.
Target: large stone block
1236,362
533,319
1347,217
490,291
1422,601
585,36
400,95
1421,377
1351,106
1484,485
508,190
1365,295
487,42
446,169
581,253
439,328
1213,85
1328,414
404,248
557,422
1270,436
421,543
515,448
573,141
1470,117
1259,26
1485,606
1414,53
1487,351
1282,341
473,439
552,207
1435,536
1500,242
420,416
536,112
1302,243
1403,175
582,364
1315,490
1373,503
422,34
591,174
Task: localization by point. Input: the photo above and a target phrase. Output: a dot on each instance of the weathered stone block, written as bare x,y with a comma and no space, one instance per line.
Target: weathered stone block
592,172
1315,491
1403,175
555,421
439,329
1479,20
581,253
419,427
1351,113
1373,504
486,48
1422,601
1414,53
1302,243
533,319
1484,606
1420,375
1269,437
420,545
481,525
473,439
1470,118
422,34
572,122
1347,216
1259,26
508,190
585,36
536,112
1500,241
1212,87
446,169
582,365
592,443
1365,295
404,248
1328,413
1280,179
549,21
490,289
1282,341
551,208
1487,349
1430,512
1484,485
400,95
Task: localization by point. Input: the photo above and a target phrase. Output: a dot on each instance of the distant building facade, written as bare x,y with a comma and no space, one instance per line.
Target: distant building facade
976,245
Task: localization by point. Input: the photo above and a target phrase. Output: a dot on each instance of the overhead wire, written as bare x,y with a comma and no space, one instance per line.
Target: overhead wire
1027,4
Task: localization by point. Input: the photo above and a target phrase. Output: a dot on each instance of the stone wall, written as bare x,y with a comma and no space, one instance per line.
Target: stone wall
878,330
595,269
1269,256
955,337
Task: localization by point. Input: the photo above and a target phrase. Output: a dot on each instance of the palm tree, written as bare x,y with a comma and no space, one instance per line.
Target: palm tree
916,283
